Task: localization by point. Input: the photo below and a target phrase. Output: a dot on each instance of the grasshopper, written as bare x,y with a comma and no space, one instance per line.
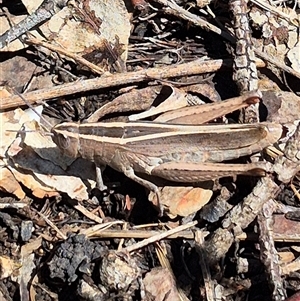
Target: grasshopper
176,152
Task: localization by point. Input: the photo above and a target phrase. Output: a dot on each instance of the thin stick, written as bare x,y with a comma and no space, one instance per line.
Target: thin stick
75,57
158,237
47,220
195,67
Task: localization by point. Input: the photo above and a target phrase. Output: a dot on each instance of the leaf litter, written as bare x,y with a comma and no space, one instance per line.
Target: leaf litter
61,237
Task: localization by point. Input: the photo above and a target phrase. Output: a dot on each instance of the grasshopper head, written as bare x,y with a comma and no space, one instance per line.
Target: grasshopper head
66,137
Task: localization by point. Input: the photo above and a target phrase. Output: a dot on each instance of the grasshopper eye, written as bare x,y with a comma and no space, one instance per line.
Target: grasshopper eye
62,141
65,136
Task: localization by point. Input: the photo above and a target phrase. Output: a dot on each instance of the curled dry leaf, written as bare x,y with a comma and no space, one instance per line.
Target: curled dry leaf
181,201
177,99
134,100
28,180
208,90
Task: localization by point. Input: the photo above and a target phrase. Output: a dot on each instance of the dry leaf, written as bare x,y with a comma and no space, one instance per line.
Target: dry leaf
283,107
38,189
94,23
8,267
286,257
181,201
285,227
9,183
50,174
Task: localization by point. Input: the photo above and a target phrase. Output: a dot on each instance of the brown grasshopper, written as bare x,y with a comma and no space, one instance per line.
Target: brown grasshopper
176,152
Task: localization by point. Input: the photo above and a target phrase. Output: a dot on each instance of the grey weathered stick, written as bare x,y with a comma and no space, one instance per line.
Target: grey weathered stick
239,218
244,68
268,253
44,12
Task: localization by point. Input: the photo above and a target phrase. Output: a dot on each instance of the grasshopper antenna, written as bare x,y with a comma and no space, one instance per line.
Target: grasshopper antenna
34,110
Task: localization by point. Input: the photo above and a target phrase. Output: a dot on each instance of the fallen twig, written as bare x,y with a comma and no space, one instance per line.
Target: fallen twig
191,68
